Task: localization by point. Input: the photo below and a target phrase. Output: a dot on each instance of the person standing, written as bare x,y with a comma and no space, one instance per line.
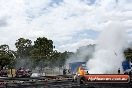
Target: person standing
119,71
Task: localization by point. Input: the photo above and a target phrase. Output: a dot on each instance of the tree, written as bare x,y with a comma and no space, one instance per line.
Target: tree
59,59
24,47
4,47
7,57
128,54
42,50
55,58
63,57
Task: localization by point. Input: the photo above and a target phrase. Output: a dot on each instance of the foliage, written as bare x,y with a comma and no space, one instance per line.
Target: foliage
6,56
41,54
42,51
128,54
59,59
23,46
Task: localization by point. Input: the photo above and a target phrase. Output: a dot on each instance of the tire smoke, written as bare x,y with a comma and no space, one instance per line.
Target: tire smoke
108,54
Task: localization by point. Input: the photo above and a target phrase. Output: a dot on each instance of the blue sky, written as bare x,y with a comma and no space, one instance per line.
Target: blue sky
69,23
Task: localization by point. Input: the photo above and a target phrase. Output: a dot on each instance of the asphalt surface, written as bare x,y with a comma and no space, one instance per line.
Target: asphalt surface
59,83
65,84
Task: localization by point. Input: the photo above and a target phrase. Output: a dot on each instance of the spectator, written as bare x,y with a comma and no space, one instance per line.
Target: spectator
64,71
119,71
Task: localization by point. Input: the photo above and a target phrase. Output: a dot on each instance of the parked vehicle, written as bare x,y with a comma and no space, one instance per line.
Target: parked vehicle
21,72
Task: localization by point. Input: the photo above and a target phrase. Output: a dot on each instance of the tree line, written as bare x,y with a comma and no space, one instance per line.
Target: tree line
41,53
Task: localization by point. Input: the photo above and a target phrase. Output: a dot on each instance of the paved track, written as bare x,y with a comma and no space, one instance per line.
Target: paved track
59,83
64,84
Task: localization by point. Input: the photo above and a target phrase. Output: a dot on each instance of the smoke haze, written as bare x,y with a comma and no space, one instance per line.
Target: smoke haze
108,54
83,54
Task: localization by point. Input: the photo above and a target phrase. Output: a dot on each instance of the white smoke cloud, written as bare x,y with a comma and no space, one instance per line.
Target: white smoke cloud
109,55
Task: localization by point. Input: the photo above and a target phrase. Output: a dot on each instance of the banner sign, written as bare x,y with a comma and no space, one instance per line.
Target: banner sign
107,78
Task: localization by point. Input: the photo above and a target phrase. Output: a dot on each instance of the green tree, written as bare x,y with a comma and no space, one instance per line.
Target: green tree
4,47
63,57
59,59
128,54
42,51
24,47
55,58
7,57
